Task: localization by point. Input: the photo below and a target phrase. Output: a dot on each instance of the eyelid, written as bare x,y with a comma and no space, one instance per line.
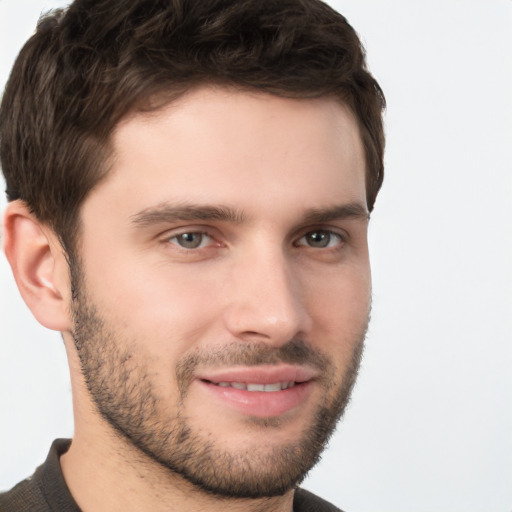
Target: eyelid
206,240
183,228
336,231
173,233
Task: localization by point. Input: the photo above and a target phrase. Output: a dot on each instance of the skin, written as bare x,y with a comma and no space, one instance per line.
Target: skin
258,278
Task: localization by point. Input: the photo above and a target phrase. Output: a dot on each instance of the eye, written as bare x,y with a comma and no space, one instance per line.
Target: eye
321,239
191,240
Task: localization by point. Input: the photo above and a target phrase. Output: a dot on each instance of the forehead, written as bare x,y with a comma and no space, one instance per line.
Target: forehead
230,146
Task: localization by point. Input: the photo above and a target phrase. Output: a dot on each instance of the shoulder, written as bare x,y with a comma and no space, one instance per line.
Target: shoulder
25,496
45,490
305,501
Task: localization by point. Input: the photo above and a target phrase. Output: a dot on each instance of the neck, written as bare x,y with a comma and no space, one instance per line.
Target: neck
104,472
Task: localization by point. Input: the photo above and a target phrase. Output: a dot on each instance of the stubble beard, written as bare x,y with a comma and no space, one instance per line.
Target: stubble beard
120,385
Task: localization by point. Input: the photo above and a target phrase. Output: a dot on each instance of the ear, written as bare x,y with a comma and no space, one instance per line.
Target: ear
39,266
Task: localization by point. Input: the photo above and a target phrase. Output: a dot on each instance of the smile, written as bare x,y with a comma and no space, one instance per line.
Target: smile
275,386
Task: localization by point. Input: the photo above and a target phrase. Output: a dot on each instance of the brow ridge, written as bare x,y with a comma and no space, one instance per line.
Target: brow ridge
171,213
338,212
168,213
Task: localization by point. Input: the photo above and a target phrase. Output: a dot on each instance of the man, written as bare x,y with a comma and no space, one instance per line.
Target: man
190,184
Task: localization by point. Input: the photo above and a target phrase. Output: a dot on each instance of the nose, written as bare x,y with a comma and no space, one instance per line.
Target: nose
266,299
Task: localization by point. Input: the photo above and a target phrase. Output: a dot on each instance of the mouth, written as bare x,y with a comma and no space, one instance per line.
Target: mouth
259,392
253,387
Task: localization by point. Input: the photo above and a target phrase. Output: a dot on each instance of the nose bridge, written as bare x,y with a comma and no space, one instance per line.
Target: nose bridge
266,299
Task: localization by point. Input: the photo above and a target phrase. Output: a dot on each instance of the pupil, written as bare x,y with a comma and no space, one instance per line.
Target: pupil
319,239
190,240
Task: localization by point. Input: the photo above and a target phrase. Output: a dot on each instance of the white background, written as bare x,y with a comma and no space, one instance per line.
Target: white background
430,424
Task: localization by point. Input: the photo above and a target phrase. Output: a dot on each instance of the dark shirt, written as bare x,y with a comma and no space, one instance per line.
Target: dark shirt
46,490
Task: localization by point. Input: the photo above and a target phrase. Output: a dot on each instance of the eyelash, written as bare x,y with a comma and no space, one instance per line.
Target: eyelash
329,233
185,233
339,239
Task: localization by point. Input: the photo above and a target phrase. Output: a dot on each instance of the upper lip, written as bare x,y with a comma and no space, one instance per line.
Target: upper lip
264,374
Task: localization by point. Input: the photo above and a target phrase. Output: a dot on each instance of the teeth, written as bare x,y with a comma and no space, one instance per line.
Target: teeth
255,387
275,386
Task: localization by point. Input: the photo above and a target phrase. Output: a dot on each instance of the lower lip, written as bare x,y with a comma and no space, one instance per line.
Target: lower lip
260,404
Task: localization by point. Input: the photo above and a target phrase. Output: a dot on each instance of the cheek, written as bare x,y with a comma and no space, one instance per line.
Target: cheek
168,309
340,307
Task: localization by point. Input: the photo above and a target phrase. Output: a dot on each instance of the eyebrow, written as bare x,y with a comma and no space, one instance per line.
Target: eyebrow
348,211
168,213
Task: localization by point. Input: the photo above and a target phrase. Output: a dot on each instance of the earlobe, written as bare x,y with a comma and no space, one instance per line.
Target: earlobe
39,266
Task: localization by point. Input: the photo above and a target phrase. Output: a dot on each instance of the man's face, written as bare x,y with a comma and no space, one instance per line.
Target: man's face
224,285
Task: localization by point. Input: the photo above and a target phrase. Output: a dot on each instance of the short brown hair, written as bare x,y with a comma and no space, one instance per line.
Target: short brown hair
89,65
